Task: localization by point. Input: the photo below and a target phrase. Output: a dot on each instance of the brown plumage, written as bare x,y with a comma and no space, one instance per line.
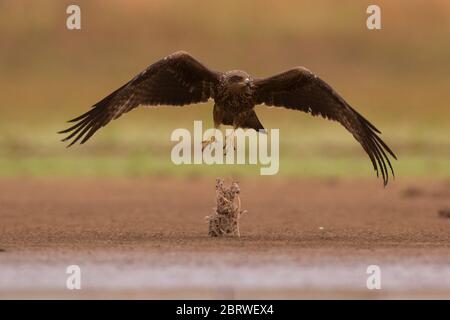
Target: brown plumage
179,80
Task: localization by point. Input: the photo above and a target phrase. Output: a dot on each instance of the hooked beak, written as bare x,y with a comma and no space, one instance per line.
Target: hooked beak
238,86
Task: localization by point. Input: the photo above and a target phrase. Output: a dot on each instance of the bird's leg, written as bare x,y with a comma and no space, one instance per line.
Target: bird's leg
230,138
211,140
206,143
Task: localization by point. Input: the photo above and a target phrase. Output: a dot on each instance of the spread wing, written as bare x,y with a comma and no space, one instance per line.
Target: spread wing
176,80
300,89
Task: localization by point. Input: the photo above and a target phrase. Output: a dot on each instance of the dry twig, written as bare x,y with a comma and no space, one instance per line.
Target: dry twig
225,219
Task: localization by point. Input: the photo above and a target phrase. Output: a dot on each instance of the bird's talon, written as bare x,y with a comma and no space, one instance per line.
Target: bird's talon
206,143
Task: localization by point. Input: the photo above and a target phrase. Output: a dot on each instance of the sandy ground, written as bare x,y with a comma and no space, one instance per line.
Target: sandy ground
147,238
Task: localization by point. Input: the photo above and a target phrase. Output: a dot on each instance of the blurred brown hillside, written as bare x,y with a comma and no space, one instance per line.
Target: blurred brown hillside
404,68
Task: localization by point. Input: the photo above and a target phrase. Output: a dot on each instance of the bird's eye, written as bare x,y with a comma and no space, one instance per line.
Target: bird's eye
236,78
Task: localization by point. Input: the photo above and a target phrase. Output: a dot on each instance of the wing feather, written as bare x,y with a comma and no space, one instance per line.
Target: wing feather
300,89
176,80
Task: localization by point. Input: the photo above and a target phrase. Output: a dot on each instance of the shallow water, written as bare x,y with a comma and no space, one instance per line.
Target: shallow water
187,275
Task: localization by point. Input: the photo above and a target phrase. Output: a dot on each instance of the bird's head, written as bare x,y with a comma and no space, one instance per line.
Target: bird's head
238,81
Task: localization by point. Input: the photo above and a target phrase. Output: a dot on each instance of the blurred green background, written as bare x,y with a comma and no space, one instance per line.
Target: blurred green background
398,77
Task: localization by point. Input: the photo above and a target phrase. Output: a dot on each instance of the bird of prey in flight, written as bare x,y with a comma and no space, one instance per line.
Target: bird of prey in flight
179,79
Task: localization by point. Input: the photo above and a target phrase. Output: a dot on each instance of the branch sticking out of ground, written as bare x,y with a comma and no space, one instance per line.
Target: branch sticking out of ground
225,219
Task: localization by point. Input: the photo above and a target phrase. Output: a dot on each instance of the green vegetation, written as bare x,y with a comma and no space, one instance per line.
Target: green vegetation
142,165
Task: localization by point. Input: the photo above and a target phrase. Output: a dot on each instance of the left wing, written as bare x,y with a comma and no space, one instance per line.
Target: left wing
176,80
299,89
